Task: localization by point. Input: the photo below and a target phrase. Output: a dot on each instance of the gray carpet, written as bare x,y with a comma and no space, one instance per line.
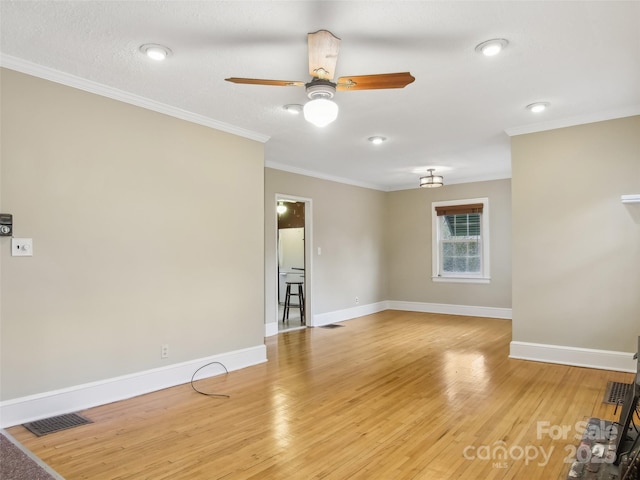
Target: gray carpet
18,463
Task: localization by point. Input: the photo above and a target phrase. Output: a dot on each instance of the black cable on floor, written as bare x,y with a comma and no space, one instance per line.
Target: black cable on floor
205,393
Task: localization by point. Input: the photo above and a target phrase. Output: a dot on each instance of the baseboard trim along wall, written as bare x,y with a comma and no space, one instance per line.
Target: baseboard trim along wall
270,329
574,356
79,397
348,313
361,310
466,310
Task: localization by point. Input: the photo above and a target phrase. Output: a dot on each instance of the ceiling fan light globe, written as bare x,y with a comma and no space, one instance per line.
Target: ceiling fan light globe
320,111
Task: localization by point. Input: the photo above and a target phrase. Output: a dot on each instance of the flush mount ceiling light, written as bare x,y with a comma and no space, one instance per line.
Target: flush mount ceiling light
320,110
377,140
492,47
431,180
538,107
155,51
293,108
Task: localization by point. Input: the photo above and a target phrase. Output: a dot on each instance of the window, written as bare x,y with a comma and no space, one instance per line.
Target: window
461,241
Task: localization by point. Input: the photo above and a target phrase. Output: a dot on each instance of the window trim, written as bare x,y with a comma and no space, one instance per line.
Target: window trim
484,276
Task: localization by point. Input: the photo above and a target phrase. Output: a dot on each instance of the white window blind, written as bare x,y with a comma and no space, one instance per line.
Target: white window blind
460,239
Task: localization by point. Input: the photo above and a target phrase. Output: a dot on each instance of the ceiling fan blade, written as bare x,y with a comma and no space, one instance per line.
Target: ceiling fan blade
373,82
257,81
323,54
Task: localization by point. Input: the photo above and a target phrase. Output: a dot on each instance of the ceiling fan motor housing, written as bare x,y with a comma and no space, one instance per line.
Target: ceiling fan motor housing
319,88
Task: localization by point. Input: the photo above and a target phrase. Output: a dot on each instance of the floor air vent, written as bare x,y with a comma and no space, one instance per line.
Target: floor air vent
332,325
55,424
615,392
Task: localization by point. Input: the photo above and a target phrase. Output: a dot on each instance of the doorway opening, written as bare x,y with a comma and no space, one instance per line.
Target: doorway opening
293,265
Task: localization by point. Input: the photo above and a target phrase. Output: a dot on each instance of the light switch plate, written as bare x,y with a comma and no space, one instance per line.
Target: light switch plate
21,247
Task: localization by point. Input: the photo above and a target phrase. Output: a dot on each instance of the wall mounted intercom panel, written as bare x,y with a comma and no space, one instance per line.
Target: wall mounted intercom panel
6,224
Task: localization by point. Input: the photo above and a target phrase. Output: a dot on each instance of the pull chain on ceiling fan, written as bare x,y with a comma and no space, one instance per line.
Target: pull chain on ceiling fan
323,49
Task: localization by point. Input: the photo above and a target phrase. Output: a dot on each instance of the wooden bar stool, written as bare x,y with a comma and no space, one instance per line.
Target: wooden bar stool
287,301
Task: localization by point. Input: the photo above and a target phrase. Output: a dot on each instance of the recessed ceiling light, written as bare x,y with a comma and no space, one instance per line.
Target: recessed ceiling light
492,47
538,107
155,51
377,140
293,108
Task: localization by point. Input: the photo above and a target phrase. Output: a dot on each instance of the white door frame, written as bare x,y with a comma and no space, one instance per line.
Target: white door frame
308,255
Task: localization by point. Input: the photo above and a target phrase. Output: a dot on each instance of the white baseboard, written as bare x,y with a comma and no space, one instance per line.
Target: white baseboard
467,310
361,310
348,313
578,357
270,329
79,397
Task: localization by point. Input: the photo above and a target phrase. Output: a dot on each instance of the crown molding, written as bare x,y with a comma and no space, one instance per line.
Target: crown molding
505,175
323,176
46,73
623,112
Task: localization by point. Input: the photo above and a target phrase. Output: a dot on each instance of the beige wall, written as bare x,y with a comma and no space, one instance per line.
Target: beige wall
576,247
348,224
409,267
135,245
134,241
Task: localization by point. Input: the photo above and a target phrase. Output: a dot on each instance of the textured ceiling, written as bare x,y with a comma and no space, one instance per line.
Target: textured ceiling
582,57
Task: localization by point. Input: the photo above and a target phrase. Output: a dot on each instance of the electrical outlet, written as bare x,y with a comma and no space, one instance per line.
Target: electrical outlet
357,300
164,351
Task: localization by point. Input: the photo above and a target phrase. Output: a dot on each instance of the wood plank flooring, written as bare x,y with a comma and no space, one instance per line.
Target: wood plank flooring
390,396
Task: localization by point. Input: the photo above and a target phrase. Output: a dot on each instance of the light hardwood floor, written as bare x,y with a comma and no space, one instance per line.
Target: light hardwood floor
395,395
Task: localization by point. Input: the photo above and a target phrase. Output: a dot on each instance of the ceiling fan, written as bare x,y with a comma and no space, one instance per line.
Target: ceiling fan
323,55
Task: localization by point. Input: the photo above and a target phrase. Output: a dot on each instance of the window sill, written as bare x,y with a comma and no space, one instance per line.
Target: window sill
461,279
